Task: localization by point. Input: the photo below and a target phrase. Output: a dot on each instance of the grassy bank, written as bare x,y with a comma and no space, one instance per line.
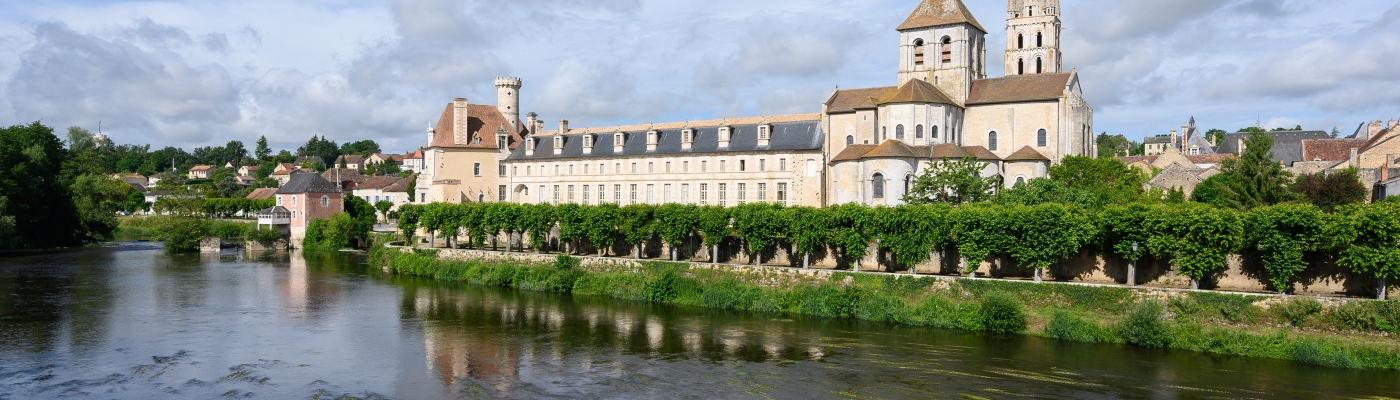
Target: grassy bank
1357,334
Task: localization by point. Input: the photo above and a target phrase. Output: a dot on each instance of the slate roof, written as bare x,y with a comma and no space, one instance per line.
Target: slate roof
845,101
1017,89
308,183
261,193
1026,154
802,135
916,91
1156,139
1288,145
931,13
483,122
315,159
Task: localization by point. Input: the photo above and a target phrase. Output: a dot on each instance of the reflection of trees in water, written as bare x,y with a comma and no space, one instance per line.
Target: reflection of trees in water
48,298
314,282
487,334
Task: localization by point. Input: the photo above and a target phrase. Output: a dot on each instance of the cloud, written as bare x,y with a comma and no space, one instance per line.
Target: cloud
216,42
1336,75
581,91
772,50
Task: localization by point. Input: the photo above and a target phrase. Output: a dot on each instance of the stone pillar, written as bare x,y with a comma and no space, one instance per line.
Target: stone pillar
210,245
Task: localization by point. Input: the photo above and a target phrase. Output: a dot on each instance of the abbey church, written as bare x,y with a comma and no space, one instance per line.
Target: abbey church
865,146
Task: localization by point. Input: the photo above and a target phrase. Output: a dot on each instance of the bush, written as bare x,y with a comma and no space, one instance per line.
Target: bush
661,288
566,262
1210,307
1065,325
1002,313
183,233
264,236
1368,316
1297,311
229,230
1310,352
1144,326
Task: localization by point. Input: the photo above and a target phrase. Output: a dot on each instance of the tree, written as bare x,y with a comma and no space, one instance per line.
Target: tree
1252,180
602,227
1043,235
320,147
675,223
7,227
1124,230
978,233
714,227
1041,191
809,231
363,148
1366,238
1282,234
1335,132
383,206
1196,236
31,162
1111,146
1107,180
953,182
1333,190
850,234
1216,136
635,224
262,151
97,199
760,224
412,188
911,232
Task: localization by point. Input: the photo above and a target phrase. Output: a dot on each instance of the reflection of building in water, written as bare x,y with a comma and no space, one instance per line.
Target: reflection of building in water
302,294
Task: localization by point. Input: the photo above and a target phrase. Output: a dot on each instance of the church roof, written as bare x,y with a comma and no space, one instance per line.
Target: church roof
853,152
947,150
895,149
1026,154
917,91
482,122
844,101
1017,89
981,153
931,13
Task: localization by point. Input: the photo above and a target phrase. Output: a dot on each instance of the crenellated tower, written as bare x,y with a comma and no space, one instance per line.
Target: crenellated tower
508,99
1033,37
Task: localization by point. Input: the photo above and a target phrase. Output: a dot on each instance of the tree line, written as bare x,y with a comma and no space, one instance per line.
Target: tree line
1196,238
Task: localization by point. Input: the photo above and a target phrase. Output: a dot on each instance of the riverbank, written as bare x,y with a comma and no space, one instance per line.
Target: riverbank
1336,333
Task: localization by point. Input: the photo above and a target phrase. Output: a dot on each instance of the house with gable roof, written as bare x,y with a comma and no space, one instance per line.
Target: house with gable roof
305,197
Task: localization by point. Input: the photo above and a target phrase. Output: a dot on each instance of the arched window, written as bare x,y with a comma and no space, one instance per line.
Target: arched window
935,132
1040,138
947,49
325,201
877,186
1020,180
918,52
850,140
1039,39
908,182
884,133
1038,68
1021,66
1020,41
899,132
992,141
918,131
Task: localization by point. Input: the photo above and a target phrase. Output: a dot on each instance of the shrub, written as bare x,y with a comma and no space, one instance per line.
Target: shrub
662,287
1310,352
1368,316
566,262
264,236
183,233
1002,313
229,230
1065,325
1297,311
1206,306
1144,326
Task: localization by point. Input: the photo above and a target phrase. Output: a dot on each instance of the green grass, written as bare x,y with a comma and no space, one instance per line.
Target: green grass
1348,336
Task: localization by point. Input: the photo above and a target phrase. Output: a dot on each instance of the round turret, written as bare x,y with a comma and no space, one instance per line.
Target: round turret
508,99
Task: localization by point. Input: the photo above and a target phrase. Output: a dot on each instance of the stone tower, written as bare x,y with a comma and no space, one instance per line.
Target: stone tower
942,44
508,99
1033,37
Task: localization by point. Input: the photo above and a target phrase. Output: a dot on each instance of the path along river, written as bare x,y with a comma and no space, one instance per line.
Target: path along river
134,323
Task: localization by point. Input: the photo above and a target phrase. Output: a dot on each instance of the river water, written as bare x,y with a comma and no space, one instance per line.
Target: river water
134,323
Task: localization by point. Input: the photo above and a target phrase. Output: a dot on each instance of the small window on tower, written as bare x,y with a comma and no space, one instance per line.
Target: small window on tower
1020,41
1038,66
918,52
1020,66
1039,39
947,49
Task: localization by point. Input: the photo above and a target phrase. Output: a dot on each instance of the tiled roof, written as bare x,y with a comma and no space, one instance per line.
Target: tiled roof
896,149
378,182
315,159
1385,134
806,134
948,150
981,153
853,152
396,157
402,184
253,167
931,13
1026,154
263,193
349,176
416,154
916,91
350,159
308,183
1210,158
1016,89
482,122
202,168
1330,149
844,101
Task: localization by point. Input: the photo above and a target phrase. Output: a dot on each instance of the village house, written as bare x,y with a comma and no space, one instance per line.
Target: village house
200,171
413,161
352,161
248,170
304,198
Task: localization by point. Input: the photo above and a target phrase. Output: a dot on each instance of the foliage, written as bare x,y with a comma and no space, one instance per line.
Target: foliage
408,221
912,232
809,231
952,181
7,227
1216,136
760,224
1042,190
850,235
601,226
1253,180
332,234
1002,313
31,162
383,206
1040,236
714,224
977,232
572,220
264,236
364,215
1297,311
1066,325
1333,190
362,148
538,220
1144,326
1197,237
1366,238
1282,233
675,222
182,233
635,223
1111,146
97,199
319,147
1107,180
1121,228
261,150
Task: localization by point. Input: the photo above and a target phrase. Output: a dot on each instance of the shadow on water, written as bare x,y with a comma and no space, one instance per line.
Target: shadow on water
133,322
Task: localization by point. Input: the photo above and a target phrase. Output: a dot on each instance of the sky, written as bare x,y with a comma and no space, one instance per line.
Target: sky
197,73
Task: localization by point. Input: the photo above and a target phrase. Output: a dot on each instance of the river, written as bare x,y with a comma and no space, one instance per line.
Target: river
131,322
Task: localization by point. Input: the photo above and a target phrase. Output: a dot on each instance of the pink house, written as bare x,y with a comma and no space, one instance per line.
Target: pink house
307,197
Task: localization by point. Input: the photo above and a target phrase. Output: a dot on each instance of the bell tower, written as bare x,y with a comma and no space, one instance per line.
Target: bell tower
1033,37
941,43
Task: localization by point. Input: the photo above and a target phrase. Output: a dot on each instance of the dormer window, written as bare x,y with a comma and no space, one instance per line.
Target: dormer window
652,137
476,139
501,141
587,140
558,142
763,132
529,146
724,136
688,136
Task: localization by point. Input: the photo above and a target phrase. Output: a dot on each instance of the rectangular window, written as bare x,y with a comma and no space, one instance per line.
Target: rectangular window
541,192
651,168
476,169
500,193
741,165
782,194
556,169
741,193
704,193
685,193
762,192
685,166
721,165
585,194
515,170
634,194
571,169
585,169
704,166
602,192
762,164
721,194
571,193
666,194
617,194
527,170
782,164
668,167
617,168
556,194
634,168
501,169
651,194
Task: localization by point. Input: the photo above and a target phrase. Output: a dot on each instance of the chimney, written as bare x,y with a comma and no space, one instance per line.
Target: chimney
1175,143
1374,129
1355,160
563,127
532,118
460,123
1185,134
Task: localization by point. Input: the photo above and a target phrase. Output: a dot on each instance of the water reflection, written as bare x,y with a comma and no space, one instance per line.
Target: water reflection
135,323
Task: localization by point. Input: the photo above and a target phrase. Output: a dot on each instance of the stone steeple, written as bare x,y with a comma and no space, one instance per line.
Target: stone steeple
1033,37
